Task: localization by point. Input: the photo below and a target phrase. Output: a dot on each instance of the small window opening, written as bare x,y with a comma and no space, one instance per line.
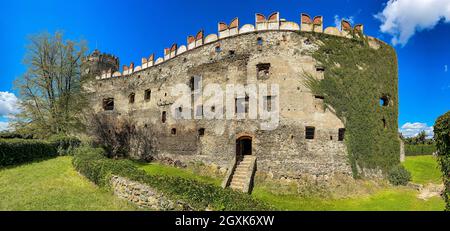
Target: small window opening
231,52
341,134
218,48
145,125
331,137
259,41
108,104
131,98
173,131
165,94
201,132
147,94
268,103
307,41
199,110
292,137
263,70
309,133
384,101
384,122
320,69
213,108
163,116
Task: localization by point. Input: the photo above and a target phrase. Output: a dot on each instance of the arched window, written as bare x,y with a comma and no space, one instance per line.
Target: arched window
131,98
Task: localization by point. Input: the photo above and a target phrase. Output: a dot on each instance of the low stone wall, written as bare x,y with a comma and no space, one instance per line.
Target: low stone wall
144,196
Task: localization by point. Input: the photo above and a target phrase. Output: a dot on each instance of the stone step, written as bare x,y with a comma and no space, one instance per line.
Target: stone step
238,184
240,174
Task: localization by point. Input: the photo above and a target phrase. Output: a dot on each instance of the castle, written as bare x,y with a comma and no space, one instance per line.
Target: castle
308,139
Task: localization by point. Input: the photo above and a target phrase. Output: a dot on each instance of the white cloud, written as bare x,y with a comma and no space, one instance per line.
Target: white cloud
413,129
9,104
337,21
4,126
402,18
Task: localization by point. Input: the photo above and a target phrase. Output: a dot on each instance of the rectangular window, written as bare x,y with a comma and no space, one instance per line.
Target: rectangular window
199,110
262,70
163,117
341,134
268,103
147,94
131,98
201,132
320,69
309,133
108,104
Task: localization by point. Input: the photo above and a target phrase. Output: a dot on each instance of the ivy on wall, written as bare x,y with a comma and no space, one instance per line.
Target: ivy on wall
442,138
360,85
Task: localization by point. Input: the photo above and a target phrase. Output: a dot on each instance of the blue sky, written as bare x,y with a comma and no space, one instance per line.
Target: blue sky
134,29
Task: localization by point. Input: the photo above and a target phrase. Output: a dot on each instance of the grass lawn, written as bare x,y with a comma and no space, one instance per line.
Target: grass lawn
53,185
160,169
389,198
424,169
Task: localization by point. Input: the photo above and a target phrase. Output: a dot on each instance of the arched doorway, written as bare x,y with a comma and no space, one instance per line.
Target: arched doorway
243,147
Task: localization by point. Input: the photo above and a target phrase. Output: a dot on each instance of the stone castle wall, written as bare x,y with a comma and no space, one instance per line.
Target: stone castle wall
232,58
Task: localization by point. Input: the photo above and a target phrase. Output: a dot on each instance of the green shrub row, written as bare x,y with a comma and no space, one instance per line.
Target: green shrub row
419,149
92,163
19,151
442,138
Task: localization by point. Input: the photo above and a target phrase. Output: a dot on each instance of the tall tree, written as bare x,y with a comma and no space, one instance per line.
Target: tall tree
50,89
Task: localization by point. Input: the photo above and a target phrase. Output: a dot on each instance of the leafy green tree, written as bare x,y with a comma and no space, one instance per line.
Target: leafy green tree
50,89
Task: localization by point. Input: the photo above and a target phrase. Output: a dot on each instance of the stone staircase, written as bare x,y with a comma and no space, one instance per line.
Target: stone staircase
241,178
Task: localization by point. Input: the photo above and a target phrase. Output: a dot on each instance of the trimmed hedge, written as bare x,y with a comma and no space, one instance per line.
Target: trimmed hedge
92,163
419,149
442,138
18,151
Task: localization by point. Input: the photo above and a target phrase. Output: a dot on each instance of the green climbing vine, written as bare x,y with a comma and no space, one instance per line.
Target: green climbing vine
360,84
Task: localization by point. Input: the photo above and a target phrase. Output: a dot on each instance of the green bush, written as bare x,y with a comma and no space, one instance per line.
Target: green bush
398,175
419,149
92,163
18,151
442,138
64,144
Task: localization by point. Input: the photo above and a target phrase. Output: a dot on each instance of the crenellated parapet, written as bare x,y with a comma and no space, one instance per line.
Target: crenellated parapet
272,22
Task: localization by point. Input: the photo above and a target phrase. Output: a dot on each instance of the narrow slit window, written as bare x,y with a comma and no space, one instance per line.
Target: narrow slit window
268,103
163,116
320,69
147,94
341,134
309,133
131,98
173,131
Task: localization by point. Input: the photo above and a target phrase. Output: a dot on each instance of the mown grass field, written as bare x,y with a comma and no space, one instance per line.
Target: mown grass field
53,185
424,169
388,198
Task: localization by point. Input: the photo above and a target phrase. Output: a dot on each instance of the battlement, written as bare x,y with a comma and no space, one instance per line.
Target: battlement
262,23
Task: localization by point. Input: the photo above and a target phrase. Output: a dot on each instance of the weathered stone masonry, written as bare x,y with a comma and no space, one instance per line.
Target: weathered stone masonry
273,51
